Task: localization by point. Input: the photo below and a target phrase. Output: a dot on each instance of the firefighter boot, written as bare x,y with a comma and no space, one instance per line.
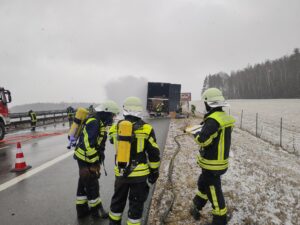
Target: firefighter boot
82,210
112,222
219,220
99,212
194,211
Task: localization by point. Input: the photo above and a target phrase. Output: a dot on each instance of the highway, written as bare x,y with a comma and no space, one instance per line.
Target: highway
46,193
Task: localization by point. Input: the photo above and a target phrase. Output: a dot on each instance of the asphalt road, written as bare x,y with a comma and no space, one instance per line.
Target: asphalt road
48,197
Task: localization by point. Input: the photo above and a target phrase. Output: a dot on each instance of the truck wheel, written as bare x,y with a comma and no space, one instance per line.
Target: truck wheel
2,130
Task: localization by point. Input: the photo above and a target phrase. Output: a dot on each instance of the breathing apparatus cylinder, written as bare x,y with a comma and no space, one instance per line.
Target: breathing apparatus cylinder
77,125
125,128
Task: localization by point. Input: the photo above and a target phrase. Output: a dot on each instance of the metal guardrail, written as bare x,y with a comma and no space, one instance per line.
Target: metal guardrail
22,120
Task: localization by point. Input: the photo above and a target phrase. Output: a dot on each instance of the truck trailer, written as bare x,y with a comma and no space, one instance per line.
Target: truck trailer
163,98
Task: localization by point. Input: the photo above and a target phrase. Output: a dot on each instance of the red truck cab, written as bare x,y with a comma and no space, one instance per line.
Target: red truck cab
5,98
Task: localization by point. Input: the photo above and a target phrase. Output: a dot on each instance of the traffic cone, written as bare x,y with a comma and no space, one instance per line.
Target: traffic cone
20,164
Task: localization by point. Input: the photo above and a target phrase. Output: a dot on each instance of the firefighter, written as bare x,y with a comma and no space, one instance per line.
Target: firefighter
33,119
193,109
214,140
159,108
89,154
143,160
70,112
91,109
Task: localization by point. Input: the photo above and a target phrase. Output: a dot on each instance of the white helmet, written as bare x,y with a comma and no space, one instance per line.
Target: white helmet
108,106
132,106
214,98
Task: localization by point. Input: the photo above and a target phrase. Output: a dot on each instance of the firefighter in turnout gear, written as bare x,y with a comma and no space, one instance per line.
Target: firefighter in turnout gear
70,112
33,119
137,160
214,139
89,153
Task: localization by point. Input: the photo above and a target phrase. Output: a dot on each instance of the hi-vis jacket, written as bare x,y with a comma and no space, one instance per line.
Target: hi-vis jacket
32,116
144,151
215,140
91,141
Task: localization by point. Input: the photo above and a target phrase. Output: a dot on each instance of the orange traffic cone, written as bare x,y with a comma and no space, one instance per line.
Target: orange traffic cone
20,164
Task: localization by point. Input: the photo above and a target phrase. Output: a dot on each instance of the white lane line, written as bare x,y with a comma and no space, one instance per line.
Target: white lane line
4,147
34,171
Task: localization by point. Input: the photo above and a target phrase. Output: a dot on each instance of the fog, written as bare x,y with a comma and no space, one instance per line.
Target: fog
72,50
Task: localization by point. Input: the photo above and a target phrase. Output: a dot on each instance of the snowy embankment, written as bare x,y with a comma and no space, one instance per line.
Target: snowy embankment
269,113
261,186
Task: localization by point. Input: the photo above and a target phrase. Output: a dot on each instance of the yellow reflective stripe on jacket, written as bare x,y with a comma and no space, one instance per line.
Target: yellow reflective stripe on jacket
33,117
87,153
221,145
212,164
208,141
222,118
153,143
113,135
90,154
102,133
80,154
140,141
141,170
154,165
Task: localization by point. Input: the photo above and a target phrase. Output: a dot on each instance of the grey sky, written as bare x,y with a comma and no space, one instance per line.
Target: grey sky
54,51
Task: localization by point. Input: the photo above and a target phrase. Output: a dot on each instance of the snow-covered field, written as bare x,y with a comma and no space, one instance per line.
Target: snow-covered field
270,112
261,186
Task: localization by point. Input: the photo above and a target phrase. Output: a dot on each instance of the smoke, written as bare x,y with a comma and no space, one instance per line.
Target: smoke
118,90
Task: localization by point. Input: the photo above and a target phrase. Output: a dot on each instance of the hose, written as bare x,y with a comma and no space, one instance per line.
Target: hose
169,183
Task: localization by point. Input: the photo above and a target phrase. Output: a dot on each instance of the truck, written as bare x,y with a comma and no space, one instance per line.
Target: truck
5,98
163,99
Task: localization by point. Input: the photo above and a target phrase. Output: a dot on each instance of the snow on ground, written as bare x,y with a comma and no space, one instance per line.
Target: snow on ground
261,186
270,111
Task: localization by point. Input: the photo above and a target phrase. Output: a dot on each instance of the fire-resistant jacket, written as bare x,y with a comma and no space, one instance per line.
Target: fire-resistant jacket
144,149
91,141
70,112
32,116
214,140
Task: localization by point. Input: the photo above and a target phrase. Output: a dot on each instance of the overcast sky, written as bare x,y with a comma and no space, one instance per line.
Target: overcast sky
54,51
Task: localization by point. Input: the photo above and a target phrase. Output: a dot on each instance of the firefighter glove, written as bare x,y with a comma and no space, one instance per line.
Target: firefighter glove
153,176
101,156
72,140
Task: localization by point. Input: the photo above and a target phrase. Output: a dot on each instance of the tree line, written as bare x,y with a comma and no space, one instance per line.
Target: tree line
279,78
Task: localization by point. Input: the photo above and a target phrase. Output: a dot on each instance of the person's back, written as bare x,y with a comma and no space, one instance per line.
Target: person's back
142,163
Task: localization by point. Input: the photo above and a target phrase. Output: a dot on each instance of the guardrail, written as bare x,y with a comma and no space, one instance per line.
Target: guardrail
22,120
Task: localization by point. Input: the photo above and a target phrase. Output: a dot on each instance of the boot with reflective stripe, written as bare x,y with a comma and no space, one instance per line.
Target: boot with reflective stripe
99,212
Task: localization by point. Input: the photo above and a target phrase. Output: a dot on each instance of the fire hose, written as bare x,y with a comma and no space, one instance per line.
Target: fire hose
169,183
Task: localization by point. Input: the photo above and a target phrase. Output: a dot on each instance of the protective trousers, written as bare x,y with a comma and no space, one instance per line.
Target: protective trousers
87,189
209,188
33,125
138,193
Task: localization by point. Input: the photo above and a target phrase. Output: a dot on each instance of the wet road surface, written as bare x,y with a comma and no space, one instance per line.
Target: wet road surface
48,197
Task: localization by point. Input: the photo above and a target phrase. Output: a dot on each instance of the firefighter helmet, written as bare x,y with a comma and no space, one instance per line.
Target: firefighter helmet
132,106
108,106
214,98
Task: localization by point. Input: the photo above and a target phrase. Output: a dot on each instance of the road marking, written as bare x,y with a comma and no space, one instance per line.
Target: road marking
34,171
4,147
